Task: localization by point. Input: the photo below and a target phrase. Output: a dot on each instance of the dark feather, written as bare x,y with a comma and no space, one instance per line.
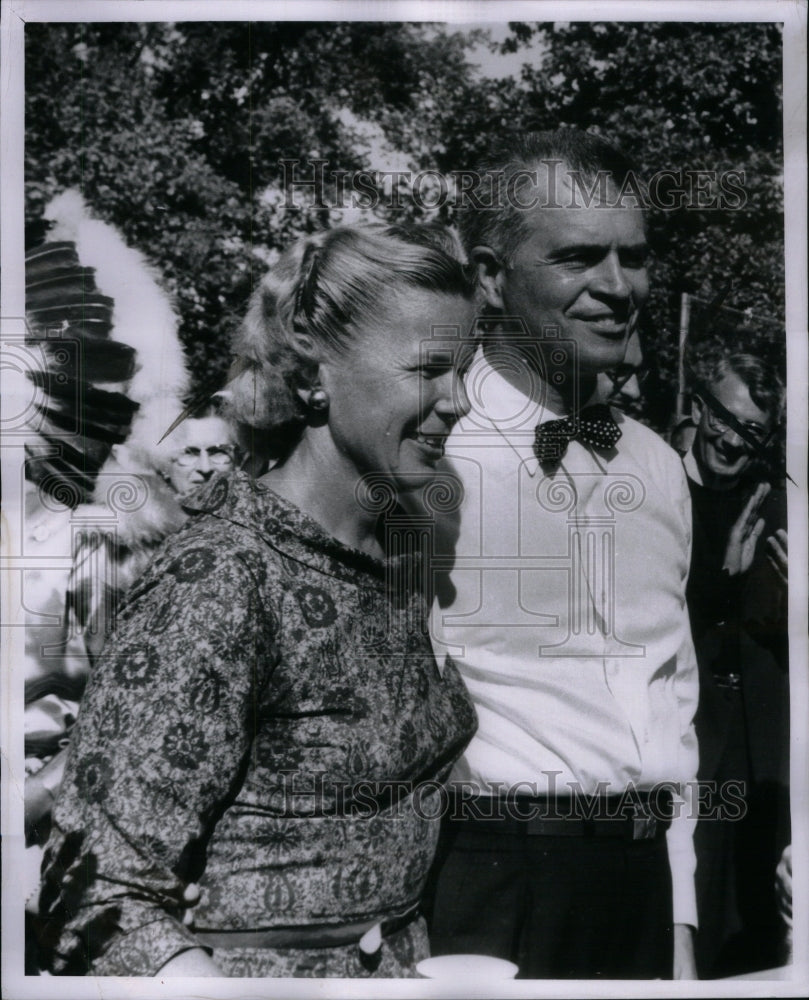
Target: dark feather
79,408
82,356
47,289
89,457
43,259
73,293
95,314
65,482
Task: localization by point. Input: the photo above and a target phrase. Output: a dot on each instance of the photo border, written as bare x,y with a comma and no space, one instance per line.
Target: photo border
15,14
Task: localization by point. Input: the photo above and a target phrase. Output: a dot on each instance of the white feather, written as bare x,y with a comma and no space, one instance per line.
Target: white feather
143,315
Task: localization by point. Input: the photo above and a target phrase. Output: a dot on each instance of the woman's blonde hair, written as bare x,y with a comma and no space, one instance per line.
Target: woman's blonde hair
325,287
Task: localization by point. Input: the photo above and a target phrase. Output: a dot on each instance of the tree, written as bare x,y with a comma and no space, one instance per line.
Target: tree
177,132
694,98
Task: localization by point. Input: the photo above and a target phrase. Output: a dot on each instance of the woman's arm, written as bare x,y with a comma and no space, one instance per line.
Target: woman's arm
163,733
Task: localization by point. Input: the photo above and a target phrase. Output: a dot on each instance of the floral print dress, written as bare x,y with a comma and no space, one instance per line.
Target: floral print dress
268,722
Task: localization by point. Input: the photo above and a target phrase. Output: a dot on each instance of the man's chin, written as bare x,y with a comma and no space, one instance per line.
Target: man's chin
726,470
601,356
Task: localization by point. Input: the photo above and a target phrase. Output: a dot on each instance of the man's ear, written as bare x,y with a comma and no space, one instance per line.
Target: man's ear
491,275
696,409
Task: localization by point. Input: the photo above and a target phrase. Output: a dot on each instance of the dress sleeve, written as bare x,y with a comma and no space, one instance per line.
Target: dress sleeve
163,735
680,836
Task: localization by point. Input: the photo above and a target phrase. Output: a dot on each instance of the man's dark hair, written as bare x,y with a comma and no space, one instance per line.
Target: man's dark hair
502,175
761,379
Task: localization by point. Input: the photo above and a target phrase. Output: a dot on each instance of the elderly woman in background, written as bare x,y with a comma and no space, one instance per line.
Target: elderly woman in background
202,446
268,721
71,613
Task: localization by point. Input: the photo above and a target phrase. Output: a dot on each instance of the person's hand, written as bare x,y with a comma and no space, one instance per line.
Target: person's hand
40,791
685,965
777,554
745,533
193,962
783,885
190,899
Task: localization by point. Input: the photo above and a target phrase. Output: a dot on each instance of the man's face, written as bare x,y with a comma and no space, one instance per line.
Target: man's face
621,386
720,451
581,270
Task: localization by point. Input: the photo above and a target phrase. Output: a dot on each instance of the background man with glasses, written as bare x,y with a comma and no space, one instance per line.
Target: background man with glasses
622,386
737,603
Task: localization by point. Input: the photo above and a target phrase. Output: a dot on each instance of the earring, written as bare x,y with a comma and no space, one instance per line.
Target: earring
318,399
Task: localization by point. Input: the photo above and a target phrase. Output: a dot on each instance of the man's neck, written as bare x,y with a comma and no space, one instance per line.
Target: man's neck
519,370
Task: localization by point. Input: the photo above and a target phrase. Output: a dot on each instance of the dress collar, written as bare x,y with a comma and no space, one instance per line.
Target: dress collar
238,498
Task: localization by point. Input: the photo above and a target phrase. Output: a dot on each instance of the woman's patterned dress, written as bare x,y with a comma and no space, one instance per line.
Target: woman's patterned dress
268,722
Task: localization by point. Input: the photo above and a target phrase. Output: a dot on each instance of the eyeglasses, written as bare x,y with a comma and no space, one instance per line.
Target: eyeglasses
757,433
220,457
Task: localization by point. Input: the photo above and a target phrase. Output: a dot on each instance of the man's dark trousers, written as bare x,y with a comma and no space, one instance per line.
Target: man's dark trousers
559,906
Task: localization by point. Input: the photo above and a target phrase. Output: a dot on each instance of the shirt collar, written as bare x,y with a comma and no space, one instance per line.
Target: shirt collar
513,413
692,468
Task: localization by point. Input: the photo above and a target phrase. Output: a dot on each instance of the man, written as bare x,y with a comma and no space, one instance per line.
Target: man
563,603
737,600
621,386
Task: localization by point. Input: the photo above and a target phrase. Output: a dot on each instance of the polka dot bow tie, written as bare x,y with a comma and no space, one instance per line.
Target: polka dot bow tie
594,425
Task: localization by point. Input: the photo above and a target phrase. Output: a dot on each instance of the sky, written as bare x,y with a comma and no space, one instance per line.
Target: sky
495,65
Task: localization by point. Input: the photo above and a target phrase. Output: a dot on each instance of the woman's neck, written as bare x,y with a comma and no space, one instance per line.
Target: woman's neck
322,483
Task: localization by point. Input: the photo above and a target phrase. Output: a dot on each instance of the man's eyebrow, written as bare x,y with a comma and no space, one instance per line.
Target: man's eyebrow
595,247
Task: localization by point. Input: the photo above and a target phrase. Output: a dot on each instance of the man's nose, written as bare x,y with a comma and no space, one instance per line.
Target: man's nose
610,278
733,439
631,388
452,402
204,463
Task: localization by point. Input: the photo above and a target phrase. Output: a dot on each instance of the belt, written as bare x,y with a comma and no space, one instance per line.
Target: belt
546,817
308,935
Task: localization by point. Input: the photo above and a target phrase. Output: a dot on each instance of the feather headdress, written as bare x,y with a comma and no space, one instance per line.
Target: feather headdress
110,366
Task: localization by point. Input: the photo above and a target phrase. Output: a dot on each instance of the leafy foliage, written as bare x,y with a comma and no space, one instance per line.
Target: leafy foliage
690,97
176,133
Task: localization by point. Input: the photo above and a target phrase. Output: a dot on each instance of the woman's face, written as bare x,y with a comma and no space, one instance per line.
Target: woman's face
208,447
395,393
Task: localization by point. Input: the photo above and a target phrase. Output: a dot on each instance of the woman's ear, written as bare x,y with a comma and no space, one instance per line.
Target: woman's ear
310,357
491,275
696,409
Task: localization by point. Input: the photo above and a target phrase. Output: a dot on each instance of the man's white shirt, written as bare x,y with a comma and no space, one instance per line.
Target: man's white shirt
564,609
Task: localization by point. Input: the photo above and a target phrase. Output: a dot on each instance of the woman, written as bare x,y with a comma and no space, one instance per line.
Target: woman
269,721
107,546
112,549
